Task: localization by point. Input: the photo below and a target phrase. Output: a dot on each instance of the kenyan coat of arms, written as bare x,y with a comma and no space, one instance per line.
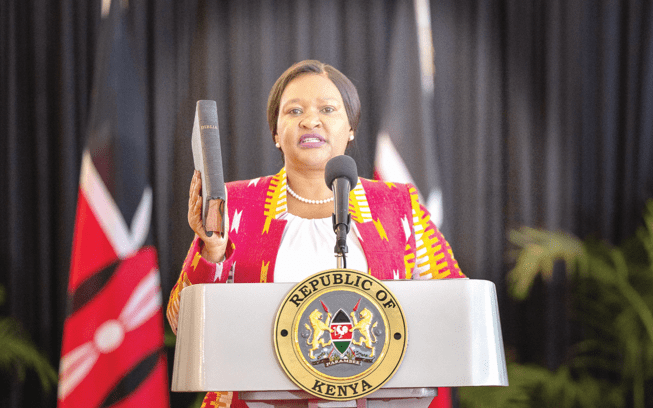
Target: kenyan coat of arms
340,334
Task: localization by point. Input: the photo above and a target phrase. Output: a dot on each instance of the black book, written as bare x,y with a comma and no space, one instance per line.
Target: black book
208,160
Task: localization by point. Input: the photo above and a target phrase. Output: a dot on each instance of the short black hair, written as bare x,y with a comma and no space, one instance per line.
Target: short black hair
345,86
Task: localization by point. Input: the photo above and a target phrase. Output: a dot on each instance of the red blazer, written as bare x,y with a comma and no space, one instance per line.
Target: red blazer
394,229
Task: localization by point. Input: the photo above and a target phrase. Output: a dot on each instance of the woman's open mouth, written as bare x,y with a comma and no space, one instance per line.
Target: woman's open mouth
311,140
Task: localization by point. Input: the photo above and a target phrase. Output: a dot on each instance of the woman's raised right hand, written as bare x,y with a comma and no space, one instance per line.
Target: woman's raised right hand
214,246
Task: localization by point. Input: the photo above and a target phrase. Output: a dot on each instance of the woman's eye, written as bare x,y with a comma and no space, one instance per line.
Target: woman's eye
328,109
295,111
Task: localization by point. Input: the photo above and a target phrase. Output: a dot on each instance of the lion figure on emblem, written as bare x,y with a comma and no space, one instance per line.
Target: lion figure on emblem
363,326
318,327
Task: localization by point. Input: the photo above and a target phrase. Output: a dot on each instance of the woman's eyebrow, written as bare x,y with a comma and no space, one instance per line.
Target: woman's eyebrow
296,100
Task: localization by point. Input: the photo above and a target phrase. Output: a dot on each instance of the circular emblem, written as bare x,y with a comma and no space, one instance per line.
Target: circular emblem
340,334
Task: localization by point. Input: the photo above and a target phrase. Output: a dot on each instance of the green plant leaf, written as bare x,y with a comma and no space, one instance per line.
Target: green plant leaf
539,251
18,353
612,290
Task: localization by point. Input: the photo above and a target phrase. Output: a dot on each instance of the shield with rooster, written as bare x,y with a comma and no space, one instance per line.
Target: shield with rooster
341,334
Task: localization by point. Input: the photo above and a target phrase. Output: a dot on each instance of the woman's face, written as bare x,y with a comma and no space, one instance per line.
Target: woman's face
312,126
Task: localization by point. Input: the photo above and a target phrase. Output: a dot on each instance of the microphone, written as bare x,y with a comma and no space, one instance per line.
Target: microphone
341,175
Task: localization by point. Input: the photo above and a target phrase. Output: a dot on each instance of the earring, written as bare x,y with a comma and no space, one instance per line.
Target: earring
277,145
351,137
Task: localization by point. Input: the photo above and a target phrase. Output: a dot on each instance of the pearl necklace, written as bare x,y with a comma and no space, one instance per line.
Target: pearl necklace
306,200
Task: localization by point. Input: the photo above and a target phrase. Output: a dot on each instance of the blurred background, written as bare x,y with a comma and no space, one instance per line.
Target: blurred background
525,113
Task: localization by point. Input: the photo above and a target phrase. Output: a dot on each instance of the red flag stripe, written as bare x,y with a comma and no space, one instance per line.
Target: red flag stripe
88,232
123,240
113,338
109,332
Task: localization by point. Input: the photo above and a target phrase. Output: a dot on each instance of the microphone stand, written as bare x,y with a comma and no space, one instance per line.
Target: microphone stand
341,245
341,176
340,249
341,190
340,261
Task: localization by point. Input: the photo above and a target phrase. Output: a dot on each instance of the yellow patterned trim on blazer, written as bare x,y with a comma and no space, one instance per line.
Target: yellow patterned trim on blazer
358,205
409,261
275,203
172,310
427,246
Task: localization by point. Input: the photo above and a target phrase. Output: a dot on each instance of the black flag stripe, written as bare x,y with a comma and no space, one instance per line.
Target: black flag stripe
90,287
133,379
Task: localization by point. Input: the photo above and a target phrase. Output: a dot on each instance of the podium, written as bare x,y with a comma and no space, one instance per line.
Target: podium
225,343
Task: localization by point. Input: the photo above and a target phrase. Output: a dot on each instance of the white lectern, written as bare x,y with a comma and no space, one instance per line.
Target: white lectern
225,342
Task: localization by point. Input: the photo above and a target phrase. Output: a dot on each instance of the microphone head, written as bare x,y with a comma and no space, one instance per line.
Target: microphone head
341,166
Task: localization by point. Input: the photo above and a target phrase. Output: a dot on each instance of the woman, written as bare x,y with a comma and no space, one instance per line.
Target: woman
279,227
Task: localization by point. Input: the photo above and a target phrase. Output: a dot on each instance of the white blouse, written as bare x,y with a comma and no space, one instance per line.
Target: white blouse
307,248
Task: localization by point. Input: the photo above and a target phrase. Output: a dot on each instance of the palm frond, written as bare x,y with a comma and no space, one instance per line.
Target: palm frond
18,353
612,289
539,251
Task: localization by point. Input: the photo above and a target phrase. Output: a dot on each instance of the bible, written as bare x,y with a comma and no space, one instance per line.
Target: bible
208,160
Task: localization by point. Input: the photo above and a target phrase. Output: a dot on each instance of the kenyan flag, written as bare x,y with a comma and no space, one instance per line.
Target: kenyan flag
341,335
